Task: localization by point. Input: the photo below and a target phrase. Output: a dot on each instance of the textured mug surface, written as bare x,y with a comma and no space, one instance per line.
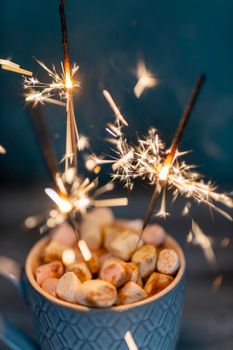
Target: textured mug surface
153,322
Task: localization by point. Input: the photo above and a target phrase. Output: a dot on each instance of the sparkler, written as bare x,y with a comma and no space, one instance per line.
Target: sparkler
63,85
74,201
164,171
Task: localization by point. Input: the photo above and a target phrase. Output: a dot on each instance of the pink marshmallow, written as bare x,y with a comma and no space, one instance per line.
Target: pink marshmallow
54,269
154,234
64,234
49,285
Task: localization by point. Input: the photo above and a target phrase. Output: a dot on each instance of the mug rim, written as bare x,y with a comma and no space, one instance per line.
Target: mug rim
34,252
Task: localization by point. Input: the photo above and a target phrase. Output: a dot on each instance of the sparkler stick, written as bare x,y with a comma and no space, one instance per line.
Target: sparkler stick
64,36
184,119
174,146
71,128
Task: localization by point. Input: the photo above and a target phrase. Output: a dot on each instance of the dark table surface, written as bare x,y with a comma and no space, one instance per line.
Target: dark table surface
208,313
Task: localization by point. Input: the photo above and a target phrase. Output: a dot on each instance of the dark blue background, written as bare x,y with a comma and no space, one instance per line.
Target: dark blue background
177,40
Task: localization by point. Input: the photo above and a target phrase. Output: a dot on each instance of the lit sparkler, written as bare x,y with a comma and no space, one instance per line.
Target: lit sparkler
73,197
63,85
162,168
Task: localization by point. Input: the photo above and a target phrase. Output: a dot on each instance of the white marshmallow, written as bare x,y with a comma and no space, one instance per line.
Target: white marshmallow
67,287
168,262
124,245
81,270
130,293
96,293
115,272
145,257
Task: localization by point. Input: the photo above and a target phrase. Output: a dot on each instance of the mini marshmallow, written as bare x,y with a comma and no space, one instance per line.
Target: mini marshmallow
145,257
157,282
130,293
110,233
115,272
67,287
101,216
154,234
96,293
50,285
168,262
91,233
53,269
135,273
54,251
64,234
81,270
133,225
124,245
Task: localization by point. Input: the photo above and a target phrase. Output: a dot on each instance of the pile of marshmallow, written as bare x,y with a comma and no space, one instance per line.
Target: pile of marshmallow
121,269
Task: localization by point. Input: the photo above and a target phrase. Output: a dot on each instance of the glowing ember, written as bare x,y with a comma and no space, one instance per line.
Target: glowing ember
217,282
225,242
145,80
64,205
198,237
68,257
2,150
84,250
114,107
130,341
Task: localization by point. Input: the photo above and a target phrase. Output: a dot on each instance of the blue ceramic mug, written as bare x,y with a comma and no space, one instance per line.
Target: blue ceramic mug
153,322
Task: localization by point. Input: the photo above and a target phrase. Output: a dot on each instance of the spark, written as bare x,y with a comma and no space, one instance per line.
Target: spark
123,153
40,92
84,250
198,237
217,282
225,242
75,196
130,341
2,150
114,107
83,142
13,67
145,80
68,257
63,204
